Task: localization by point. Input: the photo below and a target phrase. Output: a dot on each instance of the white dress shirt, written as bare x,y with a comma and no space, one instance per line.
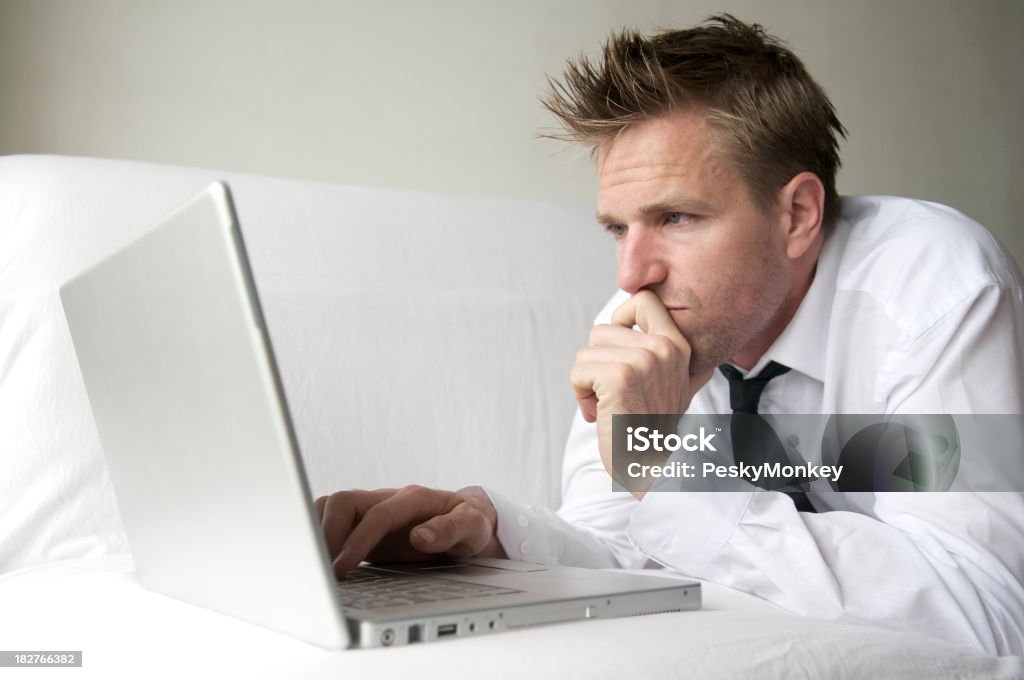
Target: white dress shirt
914,308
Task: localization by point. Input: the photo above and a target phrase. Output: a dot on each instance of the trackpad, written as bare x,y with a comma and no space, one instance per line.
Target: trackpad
494,563
459,570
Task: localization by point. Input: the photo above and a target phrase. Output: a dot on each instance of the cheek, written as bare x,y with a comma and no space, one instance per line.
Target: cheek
711,271
762,280
734,282
723,268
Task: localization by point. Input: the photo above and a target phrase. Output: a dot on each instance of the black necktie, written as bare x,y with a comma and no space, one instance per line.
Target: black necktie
754,441
744,395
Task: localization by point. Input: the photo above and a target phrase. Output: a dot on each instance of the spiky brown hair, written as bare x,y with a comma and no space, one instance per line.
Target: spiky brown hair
771,119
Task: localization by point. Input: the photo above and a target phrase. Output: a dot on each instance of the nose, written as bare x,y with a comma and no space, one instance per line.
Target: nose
641,263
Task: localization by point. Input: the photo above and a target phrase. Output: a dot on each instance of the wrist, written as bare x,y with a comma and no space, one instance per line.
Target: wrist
485,505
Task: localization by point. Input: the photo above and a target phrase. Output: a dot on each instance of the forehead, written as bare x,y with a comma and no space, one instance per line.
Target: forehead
674,153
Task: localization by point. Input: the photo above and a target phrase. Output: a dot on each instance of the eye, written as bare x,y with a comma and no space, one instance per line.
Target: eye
676,217
616,230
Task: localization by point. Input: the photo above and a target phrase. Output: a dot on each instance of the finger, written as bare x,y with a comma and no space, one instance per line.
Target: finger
342,512
409,505
463,532
588,408
338,518
583,390
581,379
634,356
320,504
646,311
609,370
590,380
606,335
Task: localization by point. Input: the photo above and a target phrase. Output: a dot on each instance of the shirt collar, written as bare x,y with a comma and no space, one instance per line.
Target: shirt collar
802,344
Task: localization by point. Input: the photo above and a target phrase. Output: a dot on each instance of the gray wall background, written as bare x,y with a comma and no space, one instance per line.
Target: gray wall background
442,95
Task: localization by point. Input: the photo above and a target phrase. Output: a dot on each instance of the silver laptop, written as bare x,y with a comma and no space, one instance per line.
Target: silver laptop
186,395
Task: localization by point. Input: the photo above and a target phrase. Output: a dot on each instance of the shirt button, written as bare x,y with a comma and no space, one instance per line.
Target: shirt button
523,522
524,547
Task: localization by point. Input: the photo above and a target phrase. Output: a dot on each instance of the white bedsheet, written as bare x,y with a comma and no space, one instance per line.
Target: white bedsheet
96,605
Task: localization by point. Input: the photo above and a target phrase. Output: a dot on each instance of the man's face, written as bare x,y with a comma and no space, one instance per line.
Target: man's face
687,230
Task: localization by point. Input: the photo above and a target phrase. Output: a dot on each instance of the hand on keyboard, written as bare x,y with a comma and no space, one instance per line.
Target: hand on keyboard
408,524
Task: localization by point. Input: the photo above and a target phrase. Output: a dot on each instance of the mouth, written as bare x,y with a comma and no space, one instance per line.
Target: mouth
680,316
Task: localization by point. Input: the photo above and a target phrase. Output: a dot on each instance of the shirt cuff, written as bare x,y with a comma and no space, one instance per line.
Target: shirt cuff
521,529
686,530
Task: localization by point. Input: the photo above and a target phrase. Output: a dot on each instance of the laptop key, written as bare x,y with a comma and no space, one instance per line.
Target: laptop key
367,590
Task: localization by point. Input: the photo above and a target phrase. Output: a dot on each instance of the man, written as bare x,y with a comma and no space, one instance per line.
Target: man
717,156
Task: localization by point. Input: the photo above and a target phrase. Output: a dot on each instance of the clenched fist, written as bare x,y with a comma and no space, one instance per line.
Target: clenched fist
623,370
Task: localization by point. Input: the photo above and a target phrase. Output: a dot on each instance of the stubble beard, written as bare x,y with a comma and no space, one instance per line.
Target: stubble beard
716,341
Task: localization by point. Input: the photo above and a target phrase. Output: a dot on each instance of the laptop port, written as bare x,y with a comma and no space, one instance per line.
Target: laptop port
414,633
447,629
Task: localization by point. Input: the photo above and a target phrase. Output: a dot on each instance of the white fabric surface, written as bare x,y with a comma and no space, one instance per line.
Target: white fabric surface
914,309
95,605
422,338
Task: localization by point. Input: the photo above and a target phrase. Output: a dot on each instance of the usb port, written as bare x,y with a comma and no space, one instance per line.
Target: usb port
447,629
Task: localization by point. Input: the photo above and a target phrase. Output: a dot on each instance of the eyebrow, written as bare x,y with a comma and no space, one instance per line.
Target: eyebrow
682,204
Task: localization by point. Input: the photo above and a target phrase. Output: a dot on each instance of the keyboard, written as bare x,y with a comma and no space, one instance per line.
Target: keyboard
367,588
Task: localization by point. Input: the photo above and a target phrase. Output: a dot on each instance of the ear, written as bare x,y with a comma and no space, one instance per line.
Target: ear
802,204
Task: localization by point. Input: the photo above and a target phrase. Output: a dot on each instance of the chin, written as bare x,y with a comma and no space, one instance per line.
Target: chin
699,363
704,358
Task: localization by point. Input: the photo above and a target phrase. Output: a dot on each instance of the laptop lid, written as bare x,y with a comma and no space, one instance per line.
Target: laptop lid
196,430
206,469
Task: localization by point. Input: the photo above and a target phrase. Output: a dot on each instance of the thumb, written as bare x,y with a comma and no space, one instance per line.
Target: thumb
434,536
463,532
